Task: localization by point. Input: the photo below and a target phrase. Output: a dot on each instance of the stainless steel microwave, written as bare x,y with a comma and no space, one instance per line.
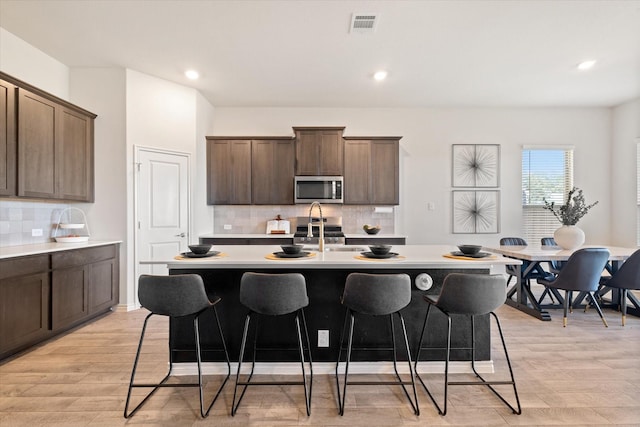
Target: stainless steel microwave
324,189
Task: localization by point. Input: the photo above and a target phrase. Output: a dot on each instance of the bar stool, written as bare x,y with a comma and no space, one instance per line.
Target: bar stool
375,295
274,295
472,295
176,296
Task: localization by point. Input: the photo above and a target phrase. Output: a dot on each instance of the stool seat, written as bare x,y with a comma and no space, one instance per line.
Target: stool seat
176,296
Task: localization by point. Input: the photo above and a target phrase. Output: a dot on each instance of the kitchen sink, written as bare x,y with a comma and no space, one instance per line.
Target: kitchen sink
336,248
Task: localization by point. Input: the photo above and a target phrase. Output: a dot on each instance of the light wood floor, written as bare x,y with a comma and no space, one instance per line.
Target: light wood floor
584,374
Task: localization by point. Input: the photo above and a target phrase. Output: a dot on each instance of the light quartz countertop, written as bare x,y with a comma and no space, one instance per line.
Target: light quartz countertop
43,248
410,256
270,236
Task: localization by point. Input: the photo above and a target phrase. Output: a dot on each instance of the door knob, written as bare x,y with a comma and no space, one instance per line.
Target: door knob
181,235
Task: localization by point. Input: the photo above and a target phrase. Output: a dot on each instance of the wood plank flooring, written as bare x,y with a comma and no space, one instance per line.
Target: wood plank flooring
584,374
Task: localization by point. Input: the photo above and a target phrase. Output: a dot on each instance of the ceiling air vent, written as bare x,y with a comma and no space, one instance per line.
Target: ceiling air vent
363,22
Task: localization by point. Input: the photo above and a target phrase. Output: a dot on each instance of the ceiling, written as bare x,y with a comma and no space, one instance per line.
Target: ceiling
301,54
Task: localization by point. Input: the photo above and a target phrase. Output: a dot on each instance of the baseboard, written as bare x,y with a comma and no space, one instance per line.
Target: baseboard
329,368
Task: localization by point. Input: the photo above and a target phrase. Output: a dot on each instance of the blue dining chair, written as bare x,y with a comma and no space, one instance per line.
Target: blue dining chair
537,273
627,277
581,273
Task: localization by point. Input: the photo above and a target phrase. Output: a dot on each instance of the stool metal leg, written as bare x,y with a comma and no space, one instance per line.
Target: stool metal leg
416,407
234,405
307,395
341,402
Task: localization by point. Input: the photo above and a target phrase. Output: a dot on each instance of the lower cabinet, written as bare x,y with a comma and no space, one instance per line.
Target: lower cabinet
84,283
43,295
246,241
24,302
375,241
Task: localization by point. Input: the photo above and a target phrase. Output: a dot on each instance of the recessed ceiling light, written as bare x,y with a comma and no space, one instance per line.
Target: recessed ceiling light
380,75
192,74
586,65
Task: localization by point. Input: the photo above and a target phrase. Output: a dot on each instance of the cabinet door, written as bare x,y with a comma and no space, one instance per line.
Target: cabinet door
385,172
103,285
357,173
307,152
331,153
69,292
228,172
272,172
8,159
24,311
37,149
76,156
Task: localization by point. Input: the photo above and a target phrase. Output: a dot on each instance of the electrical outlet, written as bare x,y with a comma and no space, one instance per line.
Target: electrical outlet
228,226
36,232
431,206
323,338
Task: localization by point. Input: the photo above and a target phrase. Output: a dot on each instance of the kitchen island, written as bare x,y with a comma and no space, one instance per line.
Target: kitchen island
325,274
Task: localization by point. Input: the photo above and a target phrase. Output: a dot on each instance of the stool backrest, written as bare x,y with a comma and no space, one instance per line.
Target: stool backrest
174,296
628,275
583,270
377,294
472,294
273,294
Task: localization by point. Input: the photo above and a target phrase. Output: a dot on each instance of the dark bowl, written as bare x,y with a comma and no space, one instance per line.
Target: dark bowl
469,249
291,249
199,249
380,249
372,230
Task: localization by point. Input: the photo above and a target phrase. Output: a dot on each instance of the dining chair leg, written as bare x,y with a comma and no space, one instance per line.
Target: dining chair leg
597,306
623,305
567,296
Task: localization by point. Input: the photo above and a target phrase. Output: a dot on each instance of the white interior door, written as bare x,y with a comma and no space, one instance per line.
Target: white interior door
162,207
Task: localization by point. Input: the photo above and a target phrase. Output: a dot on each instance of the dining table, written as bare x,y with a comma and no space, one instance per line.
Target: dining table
521,297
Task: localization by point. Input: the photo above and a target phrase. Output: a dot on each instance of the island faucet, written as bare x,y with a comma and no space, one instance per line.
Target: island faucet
310,226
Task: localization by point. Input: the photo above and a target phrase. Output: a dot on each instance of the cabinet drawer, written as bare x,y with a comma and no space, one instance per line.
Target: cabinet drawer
82,256
24,265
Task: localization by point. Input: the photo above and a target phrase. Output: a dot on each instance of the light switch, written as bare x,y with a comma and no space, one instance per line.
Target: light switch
431,206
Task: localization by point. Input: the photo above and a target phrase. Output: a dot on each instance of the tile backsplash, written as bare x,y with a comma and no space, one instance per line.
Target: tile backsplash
18,218
253,219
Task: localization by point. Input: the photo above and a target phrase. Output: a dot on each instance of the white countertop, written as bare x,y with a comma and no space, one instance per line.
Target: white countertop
410,256
42,248
246,236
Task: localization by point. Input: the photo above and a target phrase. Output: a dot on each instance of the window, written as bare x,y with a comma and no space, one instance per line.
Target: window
547,173
638,195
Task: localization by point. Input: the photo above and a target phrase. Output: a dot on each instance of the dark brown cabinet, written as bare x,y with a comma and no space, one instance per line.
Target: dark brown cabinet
54,146
228,171
319,151
250,170
8,159
272,172
24,302
371,173
246,241
375,241
84,283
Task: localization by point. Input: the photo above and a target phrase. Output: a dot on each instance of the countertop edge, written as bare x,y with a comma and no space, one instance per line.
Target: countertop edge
8,252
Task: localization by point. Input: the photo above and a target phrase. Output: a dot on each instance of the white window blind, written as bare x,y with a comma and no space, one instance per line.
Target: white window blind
546,174
638,195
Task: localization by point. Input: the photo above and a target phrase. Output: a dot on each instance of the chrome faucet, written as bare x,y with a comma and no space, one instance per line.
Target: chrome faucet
310,226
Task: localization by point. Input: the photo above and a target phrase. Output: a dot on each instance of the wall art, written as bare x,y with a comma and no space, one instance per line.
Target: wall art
476,212
475,165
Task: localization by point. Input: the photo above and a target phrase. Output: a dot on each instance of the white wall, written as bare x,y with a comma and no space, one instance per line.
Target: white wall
202,213
426,155
625,136
102,91
23,61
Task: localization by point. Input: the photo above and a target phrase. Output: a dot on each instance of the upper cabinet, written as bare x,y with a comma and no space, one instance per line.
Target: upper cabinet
272,171
319,151
250,170
371,173
8,159
228,171
54,147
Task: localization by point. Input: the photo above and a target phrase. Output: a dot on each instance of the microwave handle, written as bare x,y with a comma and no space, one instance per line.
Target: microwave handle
333,189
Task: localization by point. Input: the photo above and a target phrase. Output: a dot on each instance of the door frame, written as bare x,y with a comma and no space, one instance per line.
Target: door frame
137,149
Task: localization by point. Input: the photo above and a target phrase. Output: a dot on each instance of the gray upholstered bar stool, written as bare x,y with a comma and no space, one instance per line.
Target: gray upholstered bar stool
274,295
375,295
472,295
176,296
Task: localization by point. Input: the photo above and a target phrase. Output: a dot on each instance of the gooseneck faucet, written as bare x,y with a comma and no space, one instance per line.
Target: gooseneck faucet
310,226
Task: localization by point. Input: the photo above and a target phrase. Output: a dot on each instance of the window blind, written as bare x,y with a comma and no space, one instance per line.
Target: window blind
547,173
638,194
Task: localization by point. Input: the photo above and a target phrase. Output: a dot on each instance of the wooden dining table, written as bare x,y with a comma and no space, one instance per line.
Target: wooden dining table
520,295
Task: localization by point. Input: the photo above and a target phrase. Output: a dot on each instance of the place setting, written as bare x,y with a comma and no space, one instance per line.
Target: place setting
199,251
469,252
290,252
378,253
